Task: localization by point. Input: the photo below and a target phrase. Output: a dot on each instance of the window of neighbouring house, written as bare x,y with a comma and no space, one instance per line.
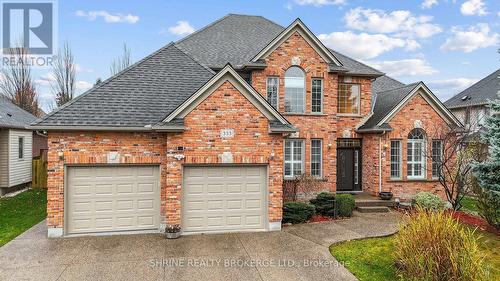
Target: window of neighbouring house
415,160
316,95
272,91
295,90
467,116
294,158
349,98
396,159
437,157
21,147
316,157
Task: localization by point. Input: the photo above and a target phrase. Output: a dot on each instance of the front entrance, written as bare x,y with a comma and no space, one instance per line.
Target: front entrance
349,165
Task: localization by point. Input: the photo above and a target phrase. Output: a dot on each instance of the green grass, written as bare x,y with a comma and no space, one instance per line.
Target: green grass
21,212
371,259
469,205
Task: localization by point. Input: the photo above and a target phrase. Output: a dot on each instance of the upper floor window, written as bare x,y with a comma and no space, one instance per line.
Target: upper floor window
272,91
349,98
416,154
21,147
295,90
316,95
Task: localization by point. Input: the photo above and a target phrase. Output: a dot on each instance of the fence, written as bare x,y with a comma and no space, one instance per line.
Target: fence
39,173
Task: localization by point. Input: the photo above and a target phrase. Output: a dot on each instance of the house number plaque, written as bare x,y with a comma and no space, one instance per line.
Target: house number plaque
227,133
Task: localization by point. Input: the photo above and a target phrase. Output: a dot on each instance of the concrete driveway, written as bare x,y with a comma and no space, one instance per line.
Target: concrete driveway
297,253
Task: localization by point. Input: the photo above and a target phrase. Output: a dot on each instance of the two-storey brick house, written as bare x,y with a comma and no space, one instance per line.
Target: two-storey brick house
204,131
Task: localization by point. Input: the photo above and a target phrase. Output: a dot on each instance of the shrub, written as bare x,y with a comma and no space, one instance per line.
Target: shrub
488,204
429,201
297,212
434,246
323,203
345,204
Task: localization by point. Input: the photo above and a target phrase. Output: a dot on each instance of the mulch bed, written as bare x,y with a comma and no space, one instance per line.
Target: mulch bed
320,218
474,221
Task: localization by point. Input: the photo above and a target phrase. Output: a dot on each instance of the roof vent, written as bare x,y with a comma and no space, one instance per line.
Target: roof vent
464,98
8,114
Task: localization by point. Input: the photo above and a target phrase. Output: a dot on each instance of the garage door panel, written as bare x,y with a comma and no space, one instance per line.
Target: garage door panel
123,202
218,199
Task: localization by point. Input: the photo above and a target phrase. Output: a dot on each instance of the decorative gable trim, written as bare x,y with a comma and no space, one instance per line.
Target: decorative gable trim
430,98
301,28
227,74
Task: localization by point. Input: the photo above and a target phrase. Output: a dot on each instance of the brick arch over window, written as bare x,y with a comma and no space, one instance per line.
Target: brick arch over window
295,90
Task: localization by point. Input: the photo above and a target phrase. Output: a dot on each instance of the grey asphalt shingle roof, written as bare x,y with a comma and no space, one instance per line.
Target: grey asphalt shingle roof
386,101
12,116
141,95
238,38
484,91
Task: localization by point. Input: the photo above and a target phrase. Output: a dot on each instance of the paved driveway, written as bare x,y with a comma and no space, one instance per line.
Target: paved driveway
297,253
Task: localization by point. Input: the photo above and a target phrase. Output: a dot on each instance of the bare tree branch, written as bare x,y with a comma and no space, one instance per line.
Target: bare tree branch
122,62
64,72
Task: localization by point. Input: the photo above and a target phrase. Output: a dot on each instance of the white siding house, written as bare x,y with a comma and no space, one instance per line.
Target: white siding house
15,146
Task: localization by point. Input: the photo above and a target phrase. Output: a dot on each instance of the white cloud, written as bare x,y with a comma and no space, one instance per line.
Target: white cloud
107,16
473,7
182,28
475,37
83,85
402,23
319,3
80,68
363,45
405,67
427,4
446,88
45,80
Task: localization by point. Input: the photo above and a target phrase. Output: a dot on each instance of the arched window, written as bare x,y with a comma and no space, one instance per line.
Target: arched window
415,160
295,90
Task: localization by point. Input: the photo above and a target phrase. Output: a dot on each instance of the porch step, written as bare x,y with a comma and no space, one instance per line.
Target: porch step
374,203
376,209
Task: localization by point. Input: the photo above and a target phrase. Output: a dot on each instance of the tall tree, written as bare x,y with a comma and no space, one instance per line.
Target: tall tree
121,62
17,82
64,73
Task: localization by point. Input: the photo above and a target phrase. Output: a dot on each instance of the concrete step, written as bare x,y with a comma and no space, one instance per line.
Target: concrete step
377,209
374,203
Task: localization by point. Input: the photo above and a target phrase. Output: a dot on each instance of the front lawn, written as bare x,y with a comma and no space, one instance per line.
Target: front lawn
371,259
21,212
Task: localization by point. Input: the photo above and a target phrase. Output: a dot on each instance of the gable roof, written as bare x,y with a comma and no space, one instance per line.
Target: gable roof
236,39
12,116
139,96
389,102
483,92
227,74
298,26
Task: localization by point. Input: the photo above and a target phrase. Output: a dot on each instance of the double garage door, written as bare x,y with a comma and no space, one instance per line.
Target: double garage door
127,198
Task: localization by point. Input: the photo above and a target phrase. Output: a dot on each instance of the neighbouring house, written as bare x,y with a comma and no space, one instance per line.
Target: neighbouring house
18,146
204,131
471,105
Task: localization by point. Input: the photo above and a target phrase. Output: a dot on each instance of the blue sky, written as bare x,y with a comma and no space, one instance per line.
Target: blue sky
448,44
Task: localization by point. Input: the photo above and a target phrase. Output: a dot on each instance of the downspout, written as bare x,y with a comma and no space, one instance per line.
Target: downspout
380,162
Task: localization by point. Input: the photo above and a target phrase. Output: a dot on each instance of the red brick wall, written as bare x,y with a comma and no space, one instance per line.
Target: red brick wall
402,123
39,144
225,108
327,126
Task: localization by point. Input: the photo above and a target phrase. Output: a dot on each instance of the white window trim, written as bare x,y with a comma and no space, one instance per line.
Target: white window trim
320,158
413,162
321,96
291,161
19,150
277,90
304,95
400,162
359,100
432,156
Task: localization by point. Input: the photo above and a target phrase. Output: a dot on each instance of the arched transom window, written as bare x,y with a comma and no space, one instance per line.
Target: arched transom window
295,90
415,152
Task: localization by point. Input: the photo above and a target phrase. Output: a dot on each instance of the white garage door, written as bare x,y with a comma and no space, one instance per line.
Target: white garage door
114,198
224,199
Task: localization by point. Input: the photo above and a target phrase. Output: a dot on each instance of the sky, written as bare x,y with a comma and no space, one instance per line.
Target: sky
448,44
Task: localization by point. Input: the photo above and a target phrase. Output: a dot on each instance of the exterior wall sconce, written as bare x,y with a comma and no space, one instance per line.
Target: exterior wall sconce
60,154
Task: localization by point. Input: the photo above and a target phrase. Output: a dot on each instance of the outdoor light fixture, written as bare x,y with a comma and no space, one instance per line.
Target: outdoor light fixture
60,154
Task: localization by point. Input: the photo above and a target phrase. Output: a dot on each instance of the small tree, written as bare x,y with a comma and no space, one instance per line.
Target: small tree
304,184
64,72
122,62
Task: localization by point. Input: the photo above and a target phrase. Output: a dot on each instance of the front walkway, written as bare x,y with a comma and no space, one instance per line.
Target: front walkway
298,252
